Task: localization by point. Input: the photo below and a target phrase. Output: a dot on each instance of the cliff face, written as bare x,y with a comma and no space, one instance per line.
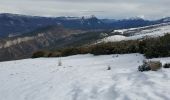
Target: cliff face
23,46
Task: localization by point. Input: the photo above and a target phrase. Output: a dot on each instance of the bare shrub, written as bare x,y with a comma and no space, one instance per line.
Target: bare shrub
59,62
108,68
155,65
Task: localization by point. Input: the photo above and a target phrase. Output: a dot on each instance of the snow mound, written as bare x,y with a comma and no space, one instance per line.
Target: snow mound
83,77
114,38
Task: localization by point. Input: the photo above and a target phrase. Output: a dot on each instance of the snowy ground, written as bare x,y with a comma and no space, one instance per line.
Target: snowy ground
83,77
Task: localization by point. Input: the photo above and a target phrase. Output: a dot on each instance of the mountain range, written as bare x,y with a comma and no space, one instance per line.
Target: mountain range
14,24
22,35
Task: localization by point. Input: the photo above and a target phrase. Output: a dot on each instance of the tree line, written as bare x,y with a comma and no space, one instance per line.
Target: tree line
150,47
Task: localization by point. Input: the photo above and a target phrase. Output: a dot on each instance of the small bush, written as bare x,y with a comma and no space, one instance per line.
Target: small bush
40,54
144,67
167,65
151,65
59,62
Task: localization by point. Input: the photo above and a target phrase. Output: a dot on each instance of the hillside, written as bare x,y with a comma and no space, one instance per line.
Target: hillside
52,37
83,77
139,33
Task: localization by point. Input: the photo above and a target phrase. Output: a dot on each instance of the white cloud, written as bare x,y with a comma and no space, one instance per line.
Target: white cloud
151,9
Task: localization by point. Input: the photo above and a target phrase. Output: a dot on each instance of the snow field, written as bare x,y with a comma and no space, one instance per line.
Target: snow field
83,77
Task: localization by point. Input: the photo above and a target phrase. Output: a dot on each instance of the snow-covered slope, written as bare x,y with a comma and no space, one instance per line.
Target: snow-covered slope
83,77
138,33
113,38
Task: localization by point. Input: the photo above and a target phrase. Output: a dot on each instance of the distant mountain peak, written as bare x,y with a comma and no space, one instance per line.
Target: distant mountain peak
137,18
89,17
134,18
166,19
10,15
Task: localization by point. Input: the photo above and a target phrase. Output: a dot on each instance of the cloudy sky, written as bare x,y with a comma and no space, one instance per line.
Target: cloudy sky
117,9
